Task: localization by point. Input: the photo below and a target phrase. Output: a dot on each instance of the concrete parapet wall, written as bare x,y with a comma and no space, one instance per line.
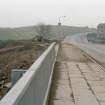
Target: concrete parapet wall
33,88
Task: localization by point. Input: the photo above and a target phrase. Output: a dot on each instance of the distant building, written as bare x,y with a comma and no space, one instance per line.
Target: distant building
101,30
59,24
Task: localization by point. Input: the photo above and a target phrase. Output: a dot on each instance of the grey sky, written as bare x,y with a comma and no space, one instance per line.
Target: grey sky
14,13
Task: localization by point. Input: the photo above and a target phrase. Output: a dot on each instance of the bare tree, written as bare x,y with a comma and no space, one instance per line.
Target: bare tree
43,31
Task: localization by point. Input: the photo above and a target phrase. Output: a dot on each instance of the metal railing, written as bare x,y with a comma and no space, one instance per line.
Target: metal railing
33,88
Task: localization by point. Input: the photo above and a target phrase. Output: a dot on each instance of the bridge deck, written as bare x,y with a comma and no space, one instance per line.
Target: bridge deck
77,80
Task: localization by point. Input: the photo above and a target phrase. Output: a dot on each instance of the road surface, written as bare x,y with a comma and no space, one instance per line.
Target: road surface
77,80
97,51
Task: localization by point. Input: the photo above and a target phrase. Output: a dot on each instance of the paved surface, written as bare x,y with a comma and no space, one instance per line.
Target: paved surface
97,51
77,80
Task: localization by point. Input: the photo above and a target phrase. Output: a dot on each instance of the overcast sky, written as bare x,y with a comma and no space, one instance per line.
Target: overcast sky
15,13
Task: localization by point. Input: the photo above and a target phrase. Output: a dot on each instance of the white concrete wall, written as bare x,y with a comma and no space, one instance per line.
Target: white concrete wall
101,31
33,87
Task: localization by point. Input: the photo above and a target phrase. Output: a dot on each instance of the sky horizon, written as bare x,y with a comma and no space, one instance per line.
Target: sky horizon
17,13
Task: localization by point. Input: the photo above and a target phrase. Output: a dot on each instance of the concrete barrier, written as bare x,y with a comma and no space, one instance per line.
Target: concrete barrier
33,88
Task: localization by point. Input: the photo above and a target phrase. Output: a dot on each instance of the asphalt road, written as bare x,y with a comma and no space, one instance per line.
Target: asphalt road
97,51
